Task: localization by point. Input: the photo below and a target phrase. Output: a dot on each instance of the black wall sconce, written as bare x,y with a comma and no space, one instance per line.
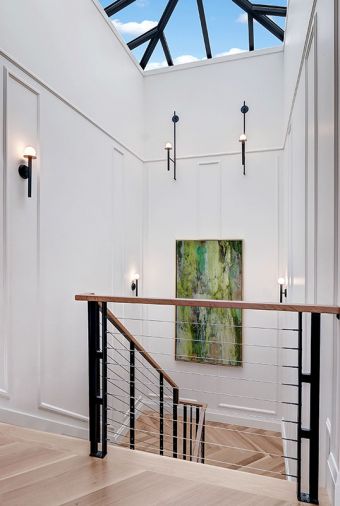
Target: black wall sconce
243,137
134,284
25,171
168,146
283,291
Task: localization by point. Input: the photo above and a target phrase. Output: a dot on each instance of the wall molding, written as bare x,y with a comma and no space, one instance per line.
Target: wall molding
66,102
4,392
64,412
292,105
23,419
217,155
333,468
248,409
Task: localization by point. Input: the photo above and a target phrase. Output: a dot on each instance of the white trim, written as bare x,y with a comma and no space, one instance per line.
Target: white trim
215,61
333,468
219,154
245,408
4,393
117,35
289,119
16,417
64,412
65,101
285,451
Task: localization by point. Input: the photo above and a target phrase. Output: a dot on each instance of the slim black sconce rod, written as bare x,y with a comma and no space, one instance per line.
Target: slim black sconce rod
25,171
243,137
283,291
169,147
134,284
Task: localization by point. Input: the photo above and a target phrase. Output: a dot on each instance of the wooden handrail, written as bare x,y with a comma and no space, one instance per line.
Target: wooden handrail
124,331
224,304
195,404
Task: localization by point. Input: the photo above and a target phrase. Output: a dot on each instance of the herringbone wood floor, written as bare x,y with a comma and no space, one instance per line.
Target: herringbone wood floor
237,447
41,469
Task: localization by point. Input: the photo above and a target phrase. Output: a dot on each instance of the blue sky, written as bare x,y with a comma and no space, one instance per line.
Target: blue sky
227,26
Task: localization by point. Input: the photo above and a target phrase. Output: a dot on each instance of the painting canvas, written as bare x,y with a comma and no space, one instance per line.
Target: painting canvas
210,269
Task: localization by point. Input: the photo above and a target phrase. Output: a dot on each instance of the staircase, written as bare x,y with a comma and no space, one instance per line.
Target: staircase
135,402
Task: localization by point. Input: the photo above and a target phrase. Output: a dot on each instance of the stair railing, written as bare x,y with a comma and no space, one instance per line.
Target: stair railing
99,366
194,423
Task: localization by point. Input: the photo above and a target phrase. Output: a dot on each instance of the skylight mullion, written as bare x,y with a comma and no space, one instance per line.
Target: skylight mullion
117,6
204,28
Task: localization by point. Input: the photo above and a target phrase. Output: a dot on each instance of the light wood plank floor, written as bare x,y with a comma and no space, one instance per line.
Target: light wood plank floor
232,446
41,469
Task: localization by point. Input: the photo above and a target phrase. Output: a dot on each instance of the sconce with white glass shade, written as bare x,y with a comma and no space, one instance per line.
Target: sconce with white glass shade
134,283
25,171
283,291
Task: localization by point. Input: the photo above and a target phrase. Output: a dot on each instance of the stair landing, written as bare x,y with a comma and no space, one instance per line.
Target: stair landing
38,468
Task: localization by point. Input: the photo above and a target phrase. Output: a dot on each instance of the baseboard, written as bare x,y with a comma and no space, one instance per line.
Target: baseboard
333,468
16,417
238,415
243,418
63,412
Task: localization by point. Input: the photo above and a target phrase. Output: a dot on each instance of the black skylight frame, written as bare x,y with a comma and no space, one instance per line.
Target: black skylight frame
257,12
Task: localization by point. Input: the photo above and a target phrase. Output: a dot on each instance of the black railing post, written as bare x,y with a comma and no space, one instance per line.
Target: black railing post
161,414
104,379
132,396
311,434
97,389
184,432
174,422
299,417
314,410
190,436
203,442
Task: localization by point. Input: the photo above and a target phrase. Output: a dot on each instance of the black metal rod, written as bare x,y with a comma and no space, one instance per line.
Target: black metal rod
104,379
299,414
132,396
184,433
174,422
94,377
175,153
251,32
314,410
204,28
29,176
161,414
116,6
190,437
166,50
244,157
203,442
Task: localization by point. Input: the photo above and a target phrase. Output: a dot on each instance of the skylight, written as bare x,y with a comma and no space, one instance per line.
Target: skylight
163,33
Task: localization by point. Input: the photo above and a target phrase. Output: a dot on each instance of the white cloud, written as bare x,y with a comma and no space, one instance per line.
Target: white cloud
189,58
243,18
233,50
133,27
185,58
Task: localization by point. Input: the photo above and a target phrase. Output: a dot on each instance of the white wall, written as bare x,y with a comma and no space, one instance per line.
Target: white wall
73,47
308,219
211,199
79,102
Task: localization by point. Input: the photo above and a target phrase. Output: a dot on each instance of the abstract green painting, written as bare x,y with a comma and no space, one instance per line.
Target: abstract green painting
209,269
